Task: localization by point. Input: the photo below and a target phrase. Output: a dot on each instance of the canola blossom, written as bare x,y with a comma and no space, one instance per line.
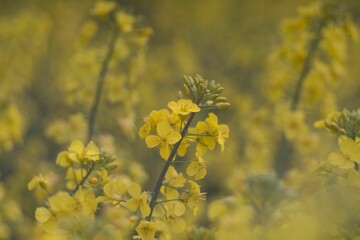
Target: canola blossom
100,138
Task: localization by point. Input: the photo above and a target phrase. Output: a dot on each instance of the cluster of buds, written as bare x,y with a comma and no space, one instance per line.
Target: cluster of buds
203,92
343,123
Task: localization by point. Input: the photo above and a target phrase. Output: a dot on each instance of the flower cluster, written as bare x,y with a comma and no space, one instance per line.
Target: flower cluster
171,133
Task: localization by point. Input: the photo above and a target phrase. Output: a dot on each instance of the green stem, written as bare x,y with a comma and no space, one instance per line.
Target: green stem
95,105
166,167
283,153
100,83
314,46
88,172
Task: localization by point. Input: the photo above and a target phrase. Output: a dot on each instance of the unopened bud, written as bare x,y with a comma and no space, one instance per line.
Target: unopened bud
112,167
221,99
209,102
93,180
186,90
180,94
222,105
219,89
213,96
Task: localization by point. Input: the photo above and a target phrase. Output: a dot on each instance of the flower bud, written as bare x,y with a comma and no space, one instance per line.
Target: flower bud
222,105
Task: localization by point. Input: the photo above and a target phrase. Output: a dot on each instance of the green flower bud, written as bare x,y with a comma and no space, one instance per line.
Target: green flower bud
222,105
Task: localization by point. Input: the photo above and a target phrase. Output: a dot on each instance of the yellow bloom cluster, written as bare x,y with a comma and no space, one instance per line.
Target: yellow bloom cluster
171,132
11,127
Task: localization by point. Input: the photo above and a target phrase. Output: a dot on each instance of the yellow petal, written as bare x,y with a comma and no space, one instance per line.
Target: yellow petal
178,225
165,150
63,160
200,174
77,146
179,209
145,209
173,137
192,169
336,159
42,214
134,190
144,131
92,152
132,204
152,141
163,129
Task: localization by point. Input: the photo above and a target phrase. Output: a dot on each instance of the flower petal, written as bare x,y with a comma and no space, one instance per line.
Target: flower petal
152,141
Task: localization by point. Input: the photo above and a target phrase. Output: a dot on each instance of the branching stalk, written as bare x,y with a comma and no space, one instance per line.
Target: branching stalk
95,105
100,83
166,167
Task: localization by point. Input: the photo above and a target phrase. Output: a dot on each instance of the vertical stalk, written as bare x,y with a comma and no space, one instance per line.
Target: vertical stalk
95,105
166,167
100,83
284,148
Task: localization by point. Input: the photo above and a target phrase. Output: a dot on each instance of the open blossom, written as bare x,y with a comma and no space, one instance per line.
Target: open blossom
197,168
349,154
77,152
183,107
138,200
147,229
165,137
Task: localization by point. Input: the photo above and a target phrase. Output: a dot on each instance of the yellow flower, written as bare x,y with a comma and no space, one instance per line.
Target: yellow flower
125,21
114,190
147,229
152,121
138,200
103,8
349,153
206,141
173,211
86,201
41,181
62,203
46,218
183,107
194,196
74,176
173,180
166,137
197,168
90,152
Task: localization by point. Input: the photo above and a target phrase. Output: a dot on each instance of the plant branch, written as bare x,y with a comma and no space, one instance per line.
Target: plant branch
100,83
166,167
284,149
95,105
